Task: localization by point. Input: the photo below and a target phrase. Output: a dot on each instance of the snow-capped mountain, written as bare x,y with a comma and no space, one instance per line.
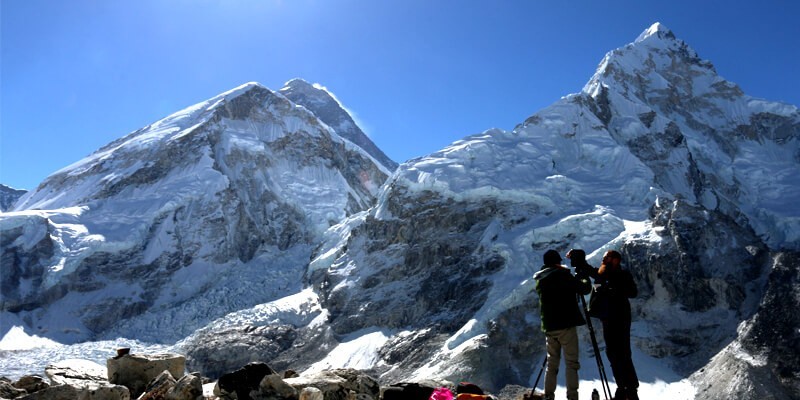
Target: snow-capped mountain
9,196
209,210
657,156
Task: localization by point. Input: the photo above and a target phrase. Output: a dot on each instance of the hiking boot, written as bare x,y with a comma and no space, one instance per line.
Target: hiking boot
632,394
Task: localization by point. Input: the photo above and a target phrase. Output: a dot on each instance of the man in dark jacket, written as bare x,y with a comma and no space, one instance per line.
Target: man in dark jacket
617,286
558,307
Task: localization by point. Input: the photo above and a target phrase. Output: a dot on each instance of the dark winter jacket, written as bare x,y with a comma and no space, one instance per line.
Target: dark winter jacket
619,286
558,301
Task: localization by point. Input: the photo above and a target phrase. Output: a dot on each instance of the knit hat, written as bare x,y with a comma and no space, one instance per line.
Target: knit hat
551,257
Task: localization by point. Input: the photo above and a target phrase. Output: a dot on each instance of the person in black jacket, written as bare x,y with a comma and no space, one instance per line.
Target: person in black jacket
616,285
560,315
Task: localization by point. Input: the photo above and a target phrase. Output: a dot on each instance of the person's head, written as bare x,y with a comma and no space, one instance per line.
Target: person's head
612,258
551,257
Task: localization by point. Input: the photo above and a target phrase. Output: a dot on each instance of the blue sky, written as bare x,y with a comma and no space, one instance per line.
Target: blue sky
419,75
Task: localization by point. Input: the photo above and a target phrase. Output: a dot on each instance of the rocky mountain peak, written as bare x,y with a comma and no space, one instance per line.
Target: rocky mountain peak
655,62
245,181
330,110
657,30
9,196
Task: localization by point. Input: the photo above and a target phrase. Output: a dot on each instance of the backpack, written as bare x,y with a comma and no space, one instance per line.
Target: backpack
470,391
407,391
473,396
469,388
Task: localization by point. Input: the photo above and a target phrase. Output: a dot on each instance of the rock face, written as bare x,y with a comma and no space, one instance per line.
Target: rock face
210,210
763,361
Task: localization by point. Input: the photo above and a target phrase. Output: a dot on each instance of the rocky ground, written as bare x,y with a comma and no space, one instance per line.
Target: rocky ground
162,376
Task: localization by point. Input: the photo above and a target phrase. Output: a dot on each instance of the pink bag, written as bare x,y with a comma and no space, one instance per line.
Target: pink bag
442,393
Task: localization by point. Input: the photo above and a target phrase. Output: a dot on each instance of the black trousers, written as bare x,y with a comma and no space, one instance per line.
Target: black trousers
617,335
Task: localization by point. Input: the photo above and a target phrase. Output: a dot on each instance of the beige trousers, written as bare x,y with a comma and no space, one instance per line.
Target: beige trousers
566,340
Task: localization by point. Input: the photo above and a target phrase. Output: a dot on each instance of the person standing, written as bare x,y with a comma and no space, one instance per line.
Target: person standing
617,286
558,307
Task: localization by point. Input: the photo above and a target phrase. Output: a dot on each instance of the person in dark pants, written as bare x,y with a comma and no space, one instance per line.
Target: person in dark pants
618,286
560,315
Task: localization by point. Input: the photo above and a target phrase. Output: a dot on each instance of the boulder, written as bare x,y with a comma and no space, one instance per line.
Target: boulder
158,388
31,383
8,391
76,379
311,393
75,372
273,387
55,392
189,387
238,384
135,371
88,390
337,384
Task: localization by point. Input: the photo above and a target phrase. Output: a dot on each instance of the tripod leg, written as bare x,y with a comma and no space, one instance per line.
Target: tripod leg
600,368
533,391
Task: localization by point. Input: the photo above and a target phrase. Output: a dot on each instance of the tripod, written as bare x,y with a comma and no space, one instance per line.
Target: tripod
533,395
600,368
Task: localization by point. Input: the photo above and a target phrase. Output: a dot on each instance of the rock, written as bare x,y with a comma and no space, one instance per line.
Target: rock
75,372
8,391
88,390
217,352
311,393
55,392
338,383
241,382
189,387
290,373
79,379
272,387
103,391
159,387
135,371
31,383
